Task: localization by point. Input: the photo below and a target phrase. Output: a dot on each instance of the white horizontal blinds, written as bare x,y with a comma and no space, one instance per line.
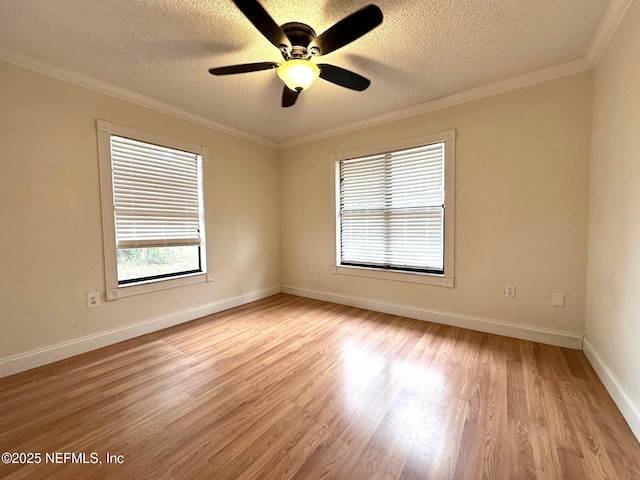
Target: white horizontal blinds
415,222
362,210
392,209
156,194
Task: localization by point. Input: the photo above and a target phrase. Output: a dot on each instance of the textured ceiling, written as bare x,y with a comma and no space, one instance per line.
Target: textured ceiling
424,50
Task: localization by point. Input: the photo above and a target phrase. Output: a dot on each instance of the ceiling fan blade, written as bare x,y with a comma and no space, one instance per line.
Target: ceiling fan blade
343,77
243,68
263,22
289,97
348,29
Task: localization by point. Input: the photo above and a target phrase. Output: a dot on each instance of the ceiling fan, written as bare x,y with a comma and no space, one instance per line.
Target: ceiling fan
298,42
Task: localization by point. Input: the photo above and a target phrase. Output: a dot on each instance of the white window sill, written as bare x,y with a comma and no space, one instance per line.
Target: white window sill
424,278
155,285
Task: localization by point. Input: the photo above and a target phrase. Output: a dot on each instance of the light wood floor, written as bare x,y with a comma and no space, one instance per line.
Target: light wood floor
294,388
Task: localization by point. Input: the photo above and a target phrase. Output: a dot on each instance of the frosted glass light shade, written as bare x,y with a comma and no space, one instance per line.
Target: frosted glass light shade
298,74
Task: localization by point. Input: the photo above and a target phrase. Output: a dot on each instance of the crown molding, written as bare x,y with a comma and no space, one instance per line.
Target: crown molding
483,91
610,21
38,65
613,15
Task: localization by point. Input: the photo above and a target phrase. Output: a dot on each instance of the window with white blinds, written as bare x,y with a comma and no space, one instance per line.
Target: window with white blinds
156,194
152,191
392,210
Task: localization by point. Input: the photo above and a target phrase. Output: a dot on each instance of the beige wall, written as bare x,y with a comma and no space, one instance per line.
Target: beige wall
613,280
51,232
521,211
521,207
525,191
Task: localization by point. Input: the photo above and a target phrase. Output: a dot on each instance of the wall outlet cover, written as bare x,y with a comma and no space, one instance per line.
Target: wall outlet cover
93,300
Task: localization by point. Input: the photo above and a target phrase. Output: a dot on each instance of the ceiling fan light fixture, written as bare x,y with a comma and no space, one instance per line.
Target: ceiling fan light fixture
298,74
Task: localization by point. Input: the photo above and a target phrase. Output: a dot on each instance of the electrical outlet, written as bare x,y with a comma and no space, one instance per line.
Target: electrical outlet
510,291
312,268
93,300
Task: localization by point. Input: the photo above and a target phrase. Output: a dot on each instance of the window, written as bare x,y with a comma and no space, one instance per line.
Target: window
394,210
153,215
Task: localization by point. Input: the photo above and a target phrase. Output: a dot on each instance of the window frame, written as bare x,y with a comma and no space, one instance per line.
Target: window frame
114,289
447,279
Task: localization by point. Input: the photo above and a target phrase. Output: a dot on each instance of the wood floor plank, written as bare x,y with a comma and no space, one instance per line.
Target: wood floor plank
293,388
545,455
470,457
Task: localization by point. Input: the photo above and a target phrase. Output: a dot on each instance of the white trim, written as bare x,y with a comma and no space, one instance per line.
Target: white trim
403,144
613,15
446,280
38,65
149,137
396,276
53,353
113,289
148,286
106,199
628,407
487,325
477,93
555,71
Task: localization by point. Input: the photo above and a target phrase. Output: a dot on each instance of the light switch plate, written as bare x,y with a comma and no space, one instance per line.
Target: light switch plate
557,299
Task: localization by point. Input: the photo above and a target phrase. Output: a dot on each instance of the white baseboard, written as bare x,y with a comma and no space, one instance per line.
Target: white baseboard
53,353
628,407
523,332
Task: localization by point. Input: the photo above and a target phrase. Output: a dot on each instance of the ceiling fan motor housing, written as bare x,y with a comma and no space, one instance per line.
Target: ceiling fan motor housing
300,35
